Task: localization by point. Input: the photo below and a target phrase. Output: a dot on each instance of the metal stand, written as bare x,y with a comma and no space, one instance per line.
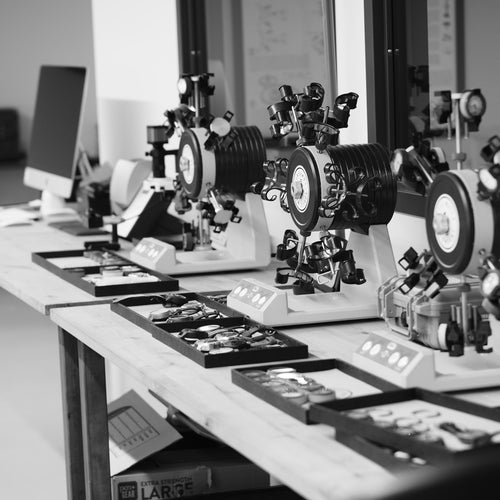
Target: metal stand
243,245
275,306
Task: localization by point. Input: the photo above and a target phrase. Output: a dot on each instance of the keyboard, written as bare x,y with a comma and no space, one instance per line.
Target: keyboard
13,216
76,228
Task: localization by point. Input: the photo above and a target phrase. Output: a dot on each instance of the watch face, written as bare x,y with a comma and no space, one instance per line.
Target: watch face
475,105
446,223
300,189
186,163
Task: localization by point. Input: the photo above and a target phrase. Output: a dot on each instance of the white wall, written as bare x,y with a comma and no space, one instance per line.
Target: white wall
351,66
33,33
137,70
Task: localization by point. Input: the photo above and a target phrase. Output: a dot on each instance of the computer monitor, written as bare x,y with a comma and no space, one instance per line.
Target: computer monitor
54,148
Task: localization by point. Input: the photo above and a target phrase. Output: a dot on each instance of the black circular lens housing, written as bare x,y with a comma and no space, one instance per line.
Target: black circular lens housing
456,260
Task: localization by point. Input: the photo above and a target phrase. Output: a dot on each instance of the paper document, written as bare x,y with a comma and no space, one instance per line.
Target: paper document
135,431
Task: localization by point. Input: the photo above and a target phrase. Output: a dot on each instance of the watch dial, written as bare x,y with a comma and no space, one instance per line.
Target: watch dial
475,105
186,163
446,223
300,189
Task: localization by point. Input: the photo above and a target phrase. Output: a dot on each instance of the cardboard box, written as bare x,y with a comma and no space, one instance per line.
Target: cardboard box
183,473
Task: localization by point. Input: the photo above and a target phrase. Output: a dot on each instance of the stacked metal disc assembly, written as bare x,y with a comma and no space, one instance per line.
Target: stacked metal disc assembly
459,223
341,187
325,185
216,163
232,164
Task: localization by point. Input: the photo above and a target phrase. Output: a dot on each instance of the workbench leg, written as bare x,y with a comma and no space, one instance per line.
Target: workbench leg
94,423
70,382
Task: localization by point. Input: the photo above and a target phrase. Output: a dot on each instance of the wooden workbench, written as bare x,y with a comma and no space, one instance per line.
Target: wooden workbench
306,458
42,290
34,285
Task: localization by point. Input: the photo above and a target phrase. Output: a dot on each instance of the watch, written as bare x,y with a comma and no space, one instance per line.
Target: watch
472,104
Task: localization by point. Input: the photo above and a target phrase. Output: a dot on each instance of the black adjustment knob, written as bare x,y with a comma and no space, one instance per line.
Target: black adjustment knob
286,93
492,147
280,111
409,283
409,260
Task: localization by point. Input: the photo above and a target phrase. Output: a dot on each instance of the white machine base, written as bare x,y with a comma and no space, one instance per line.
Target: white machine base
244,245
390,356
273,306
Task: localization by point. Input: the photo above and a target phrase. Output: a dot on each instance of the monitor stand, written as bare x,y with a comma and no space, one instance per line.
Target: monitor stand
52,205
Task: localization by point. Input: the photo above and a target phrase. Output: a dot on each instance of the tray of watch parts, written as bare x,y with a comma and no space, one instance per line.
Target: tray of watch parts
103,272
394,460
437,428
206,331
293,387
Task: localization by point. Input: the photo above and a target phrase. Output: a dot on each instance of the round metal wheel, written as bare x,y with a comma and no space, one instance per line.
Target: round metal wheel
233,168
190,162
458,225
342,187
304,189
